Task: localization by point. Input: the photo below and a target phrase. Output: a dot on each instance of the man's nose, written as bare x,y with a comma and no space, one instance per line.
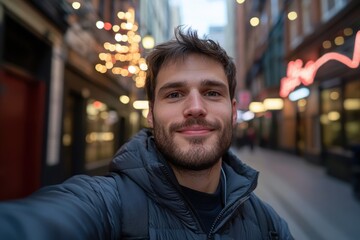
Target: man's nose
195,105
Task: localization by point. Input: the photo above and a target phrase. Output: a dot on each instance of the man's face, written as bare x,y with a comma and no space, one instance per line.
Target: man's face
192,114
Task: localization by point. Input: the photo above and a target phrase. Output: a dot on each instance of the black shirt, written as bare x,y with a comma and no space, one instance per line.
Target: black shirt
206,205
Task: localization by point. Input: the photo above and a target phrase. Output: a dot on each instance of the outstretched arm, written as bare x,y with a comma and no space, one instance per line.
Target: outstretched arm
83,207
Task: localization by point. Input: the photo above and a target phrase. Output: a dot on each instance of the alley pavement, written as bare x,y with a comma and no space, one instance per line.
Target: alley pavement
315,205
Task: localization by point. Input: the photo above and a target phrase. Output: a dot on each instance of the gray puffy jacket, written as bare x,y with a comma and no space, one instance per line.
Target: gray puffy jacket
142,191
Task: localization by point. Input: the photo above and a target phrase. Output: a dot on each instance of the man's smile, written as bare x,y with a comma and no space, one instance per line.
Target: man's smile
195,130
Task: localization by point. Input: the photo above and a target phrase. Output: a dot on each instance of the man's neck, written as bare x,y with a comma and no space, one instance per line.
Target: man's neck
205,181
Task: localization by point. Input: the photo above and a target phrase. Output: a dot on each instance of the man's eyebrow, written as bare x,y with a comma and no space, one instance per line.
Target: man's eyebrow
171,85
213,83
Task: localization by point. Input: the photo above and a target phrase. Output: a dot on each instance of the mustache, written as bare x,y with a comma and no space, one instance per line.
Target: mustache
194,121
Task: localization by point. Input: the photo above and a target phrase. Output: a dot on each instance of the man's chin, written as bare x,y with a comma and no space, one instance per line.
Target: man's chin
193,159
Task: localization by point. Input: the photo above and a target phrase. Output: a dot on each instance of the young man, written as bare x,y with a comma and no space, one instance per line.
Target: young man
176,181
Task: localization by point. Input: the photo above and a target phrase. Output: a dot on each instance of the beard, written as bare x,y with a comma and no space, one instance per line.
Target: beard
199,155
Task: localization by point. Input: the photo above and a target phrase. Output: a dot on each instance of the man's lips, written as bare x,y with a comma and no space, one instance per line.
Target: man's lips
194,130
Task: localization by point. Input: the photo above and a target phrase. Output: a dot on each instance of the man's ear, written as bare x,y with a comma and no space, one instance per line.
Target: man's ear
234,111
149,117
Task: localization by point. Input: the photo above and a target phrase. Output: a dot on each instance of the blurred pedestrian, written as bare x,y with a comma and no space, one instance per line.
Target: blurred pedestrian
177,180
251,137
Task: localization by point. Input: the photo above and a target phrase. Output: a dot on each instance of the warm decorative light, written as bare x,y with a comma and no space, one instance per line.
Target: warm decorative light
107,26
100,24
116,28
124,99
109,65
254,21
129,14
297,73
76,5
257,107
143,66
148,42
121,15
141,104
326,44
334,95
333,115
273,103
140,83
339,40
240,1
123,57
302,103
352,104
100,68
132,69
292,15
348,32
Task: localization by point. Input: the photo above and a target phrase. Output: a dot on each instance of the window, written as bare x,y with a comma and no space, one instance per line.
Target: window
101,129
352,112
306,16
275,10
331,117
330,7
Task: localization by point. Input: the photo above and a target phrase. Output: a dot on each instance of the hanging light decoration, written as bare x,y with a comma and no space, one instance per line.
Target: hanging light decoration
123,56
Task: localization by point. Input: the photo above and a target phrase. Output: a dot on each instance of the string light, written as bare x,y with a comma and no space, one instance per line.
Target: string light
123,56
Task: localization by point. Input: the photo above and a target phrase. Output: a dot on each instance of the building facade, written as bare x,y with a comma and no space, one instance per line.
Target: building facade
70,71
326,34
311,48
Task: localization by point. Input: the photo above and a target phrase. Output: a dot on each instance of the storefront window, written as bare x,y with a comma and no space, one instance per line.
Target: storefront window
101,128
352,112
331,117
307,6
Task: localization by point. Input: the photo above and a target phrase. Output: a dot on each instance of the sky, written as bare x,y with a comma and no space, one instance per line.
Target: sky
200,14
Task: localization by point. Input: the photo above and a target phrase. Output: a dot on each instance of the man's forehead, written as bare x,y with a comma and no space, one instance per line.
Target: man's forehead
175,60
181,82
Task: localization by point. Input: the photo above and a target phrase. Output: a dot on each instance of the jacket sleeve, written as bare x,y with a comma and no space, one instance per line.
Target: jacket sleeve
83,207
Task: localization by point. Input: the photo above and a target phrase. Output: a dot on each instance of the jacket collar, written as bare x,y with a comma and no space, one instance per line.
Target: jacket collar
140,160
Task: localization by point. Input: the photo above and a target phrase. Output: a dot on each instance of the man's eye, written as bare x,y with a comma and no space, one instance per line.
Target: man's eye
174,95
212,94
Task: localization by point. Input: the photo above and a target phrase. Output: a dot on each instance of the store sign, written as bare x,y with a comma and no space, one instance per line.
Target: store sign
297,73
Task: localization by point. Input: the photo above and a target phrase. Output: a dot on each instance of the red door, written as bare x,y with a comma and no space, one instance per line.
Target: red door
21,134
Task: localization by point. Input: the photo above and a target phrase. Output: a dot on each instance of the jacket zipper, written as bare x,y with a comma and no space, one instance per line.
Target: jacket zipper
239,203
218,218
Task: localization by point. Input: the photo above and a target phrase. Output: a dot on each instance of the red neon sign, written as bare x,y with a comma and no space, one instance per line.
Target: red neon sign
297,73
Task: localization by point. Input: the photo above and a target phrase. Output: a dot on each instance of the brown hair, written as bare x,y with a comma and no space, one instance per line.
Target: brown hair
184,44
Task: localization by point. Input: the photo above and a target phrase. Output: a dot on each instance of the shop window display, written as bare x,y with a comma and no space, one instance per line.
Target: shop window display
331,117
352,113
100,136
